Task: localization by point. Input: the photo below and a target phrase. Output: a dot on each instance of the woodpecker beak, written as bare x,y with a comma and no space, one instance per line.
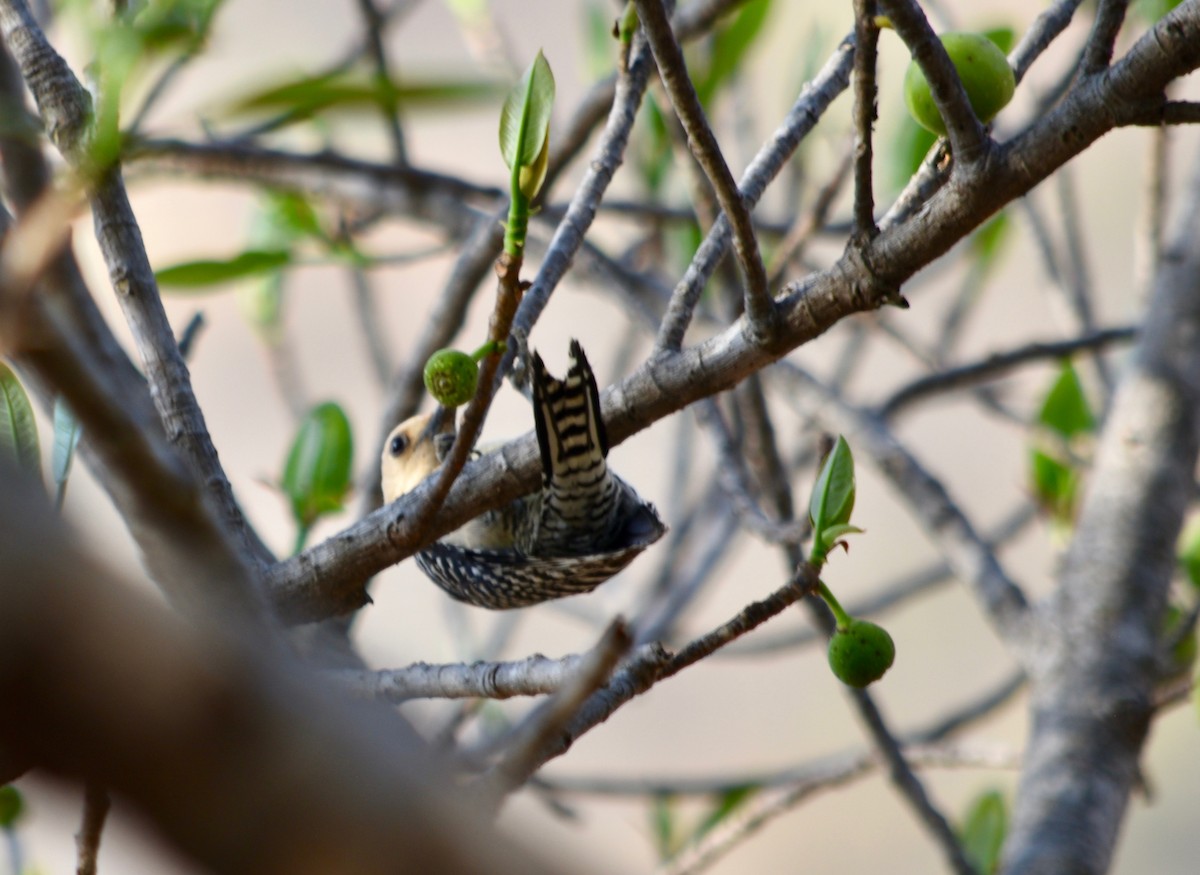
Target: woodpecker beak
440,431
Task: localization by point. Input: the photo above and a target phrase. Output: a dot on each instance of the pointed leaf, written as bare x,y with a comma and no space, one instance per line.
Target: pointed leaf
1152,10
533,175
988,241
525,118
833,495
316,476
832,533
1066,409
726,804
260,301
66,438
310,95
598,50
199,275
18,427
291,215
1055,485
1004,37
1189,551
984,830
730,46
909,148
662,814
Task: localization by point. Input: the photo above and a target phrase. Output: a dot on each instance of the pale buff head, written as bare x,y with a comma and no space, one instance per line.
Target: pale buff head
410,453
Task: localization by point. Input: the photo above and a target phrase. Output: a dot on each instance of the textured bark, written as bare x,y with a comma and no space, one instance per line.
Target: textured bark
1093,676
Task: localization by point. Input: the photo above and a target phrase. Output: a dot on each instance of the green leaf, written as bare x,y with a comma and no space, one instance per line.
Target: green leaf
1189,551
983,831
356,90
18,427
1151,11
290,215
1004,37
726,804
598,48
987,242
12,806
832,533
1055,485
730,45
533,175
198,275
316,476
1065,409
912,143
833,494
260,302
166,24
525,118
1183,653
662,821
66,438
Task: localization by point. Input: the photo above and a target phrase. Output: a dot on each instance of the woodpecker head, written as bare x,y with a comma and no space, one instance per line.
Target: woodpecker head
414,450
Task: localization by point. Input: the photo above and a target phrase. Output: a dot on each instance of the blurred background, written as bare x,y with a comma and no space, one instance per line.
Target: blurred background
732,715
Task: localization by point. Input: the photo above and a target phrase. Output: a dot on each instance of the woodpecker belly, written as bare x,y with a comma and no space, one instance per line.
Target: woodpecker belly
583,526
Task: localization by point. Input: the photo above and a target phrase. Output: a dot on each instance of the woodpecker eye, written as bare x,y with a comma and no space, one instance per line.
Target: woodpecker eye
398,445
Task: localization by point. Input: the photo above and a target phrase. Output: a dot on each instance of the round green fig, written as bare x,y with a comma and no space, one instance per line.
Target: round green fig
984,72
860,653
451,377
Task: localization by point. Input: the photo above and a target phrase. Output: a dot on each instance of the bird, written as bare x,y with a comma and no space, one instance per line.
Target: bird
579,529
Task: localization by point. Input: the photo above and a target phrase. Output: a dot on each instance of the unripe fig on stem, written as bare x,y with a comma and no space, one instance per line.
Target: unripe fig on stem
451,376
985,75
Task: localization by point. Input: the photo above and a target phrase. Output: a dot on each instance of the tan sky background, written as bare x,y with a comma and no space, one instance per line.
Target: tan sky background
728,715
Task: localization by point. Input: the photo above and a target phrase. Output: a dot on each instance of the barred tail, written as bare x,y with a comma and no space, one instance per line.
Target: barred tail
579,496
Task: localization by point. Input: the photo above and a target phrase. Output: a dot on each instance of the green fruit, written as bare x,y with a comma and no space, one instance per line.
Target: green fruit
451,377
860,653
984,72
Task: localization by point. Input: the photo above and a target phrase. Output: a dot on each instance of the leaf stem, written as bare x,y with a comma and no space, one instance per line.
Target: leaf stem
839,613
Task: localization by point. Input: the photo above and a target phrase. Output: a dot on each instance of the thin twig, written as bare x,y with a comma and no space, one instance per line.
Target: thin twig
374,26
533,676
885,597
866,37
65,108
523,755
760,308
609,153
732,477
1110,15
972,558
825,775
371,323
815,98
791,248
87,841
968,140
998,364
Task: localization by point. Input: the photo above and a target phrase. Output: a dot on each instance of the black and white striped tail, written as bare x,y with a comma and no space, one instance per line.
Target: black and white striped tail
579,496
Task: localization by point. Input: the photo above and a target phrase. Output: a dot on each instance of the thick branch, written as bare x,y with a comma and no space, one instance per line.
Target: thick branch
1092,690
244,763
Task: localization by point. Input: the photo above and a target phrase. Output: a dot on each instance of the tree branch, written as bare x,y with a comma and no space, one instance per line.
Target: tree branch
760,308
242,761
66,110
1092,685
